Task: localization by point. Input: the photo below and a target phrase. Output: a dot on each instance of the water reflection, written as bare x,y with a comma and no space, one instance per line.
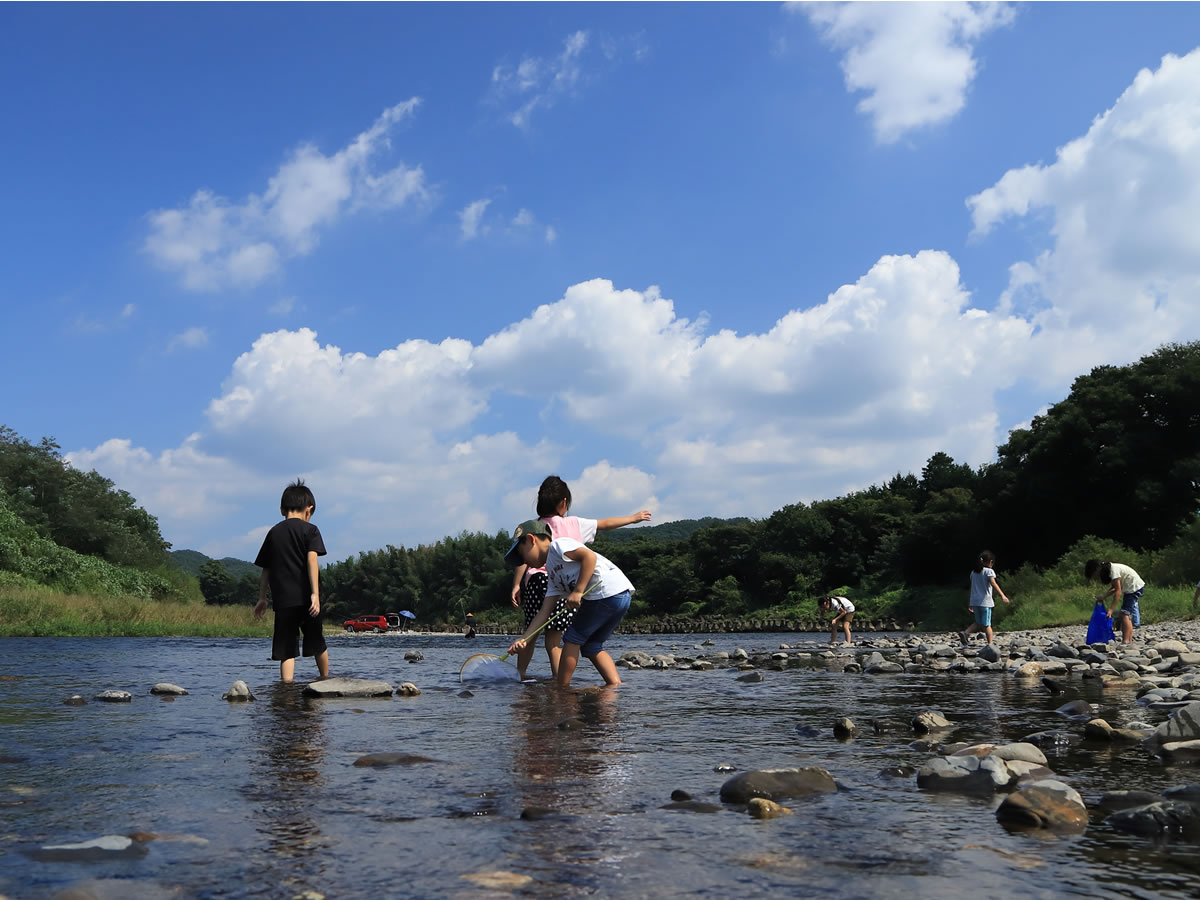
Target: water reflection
288,734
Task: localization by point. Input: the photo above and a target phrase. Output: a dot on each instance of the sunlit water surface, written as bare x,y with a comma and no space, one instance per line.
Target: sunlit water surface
263,799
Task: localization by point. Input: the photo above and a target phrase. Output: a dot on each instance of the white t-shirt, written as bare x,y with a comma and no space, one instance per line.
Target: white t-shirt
1130,580
563,573
841,604
577,527
981,587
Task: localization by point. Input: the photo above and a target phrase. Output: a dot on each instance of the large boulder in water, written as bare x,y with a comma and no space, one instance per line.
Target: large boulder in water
777,784
348,687
928,721
1183,725
964,775
1164,817
1047,803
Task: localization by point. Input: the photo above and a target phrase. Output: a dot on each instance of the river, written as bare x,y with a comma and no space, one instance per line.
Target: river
263,799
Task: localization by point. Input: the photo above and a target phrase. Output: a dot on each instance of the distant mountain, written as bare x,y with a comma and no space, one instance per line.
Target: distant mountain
679,530
191,561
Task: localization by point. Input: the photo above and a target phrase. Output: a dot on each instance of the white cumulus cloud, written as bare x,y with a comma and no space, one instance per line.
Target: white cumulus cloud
191,339
1121,274
214,242
914,61
470,219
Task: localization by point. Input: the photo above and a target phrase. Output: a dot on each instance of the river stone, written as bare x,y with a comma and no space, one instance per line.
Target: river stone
930,720
165,687
1180,752
239,692
1171,648
702,665
114,697
1098,730
498,881
1186,793
1188,659
964,774
637,657
1163,817
679,795
408,689
75,700
844,728
380,760
1047,803
777,784
1023,771
1022,751
884,667
1183,725
698,806
109,846
1061,651
1029,670
739,653
970,750
989,653
898,772
760,808
1118,800
348,687
1076,709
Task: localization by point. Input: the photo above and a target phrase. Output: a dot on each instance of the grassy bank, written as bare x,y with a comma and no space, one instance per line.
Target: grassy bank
41,612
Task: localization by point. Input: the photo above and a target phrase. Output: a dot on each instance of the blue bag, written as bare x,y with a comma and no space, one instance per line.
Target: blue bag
1100,630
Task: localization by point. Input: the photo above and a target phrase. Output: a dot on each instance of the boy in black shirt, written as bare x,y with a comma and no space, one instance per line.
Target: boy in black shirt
288,559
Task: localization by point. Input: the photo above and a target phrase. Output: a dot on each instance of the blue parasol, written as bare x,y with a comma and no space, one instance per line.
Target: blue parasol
407,614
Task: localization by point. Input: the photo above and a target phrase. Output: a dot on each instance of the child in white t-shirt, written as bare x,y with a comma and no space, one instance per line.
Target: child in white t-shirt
529,584
844,616
983,581
596,589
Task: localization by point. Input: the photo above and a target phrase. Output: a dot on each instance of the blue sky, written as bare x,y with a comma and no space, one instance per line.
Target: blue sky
708,259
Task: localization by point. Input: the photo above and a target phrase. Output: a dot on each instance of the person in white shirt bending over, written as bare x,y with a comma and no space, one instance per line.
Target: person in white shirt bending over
1126,588
845,615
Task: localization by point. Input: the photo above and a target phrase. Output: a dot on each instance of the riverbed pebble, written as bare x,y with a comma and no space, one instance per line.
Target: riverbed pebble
165,687
239,692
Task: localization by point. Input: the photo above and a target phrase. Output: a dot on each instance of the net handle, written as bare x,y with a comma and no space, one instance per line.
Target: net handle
550,619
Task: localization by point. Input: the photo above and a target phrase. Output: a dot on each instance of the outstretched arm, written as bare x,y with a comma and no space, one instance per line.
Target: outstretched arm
621,521
538,621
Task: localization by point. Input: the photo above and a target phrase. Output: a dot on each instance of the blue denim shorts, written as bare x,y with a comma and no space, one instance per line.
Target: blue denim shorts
595,621
1129,606
983,616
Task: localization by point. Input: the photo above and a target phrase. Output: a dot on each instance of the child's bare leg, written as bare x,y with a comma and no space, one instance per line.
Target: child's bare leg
606,667
287,669
567,661
846,628
525,657
553,639
323,663
1127,629
987,629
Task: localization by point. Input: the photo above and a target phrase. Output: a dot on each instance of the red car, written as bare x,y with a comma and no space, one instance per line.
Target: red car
367,623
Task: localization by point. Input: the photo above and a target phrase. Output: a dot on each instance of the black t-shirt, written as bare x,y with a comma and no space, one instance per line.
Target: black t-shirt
284,555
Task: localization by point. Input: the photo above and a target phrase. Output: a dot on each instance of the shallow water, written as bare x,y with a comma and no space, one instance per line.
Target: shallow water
263,799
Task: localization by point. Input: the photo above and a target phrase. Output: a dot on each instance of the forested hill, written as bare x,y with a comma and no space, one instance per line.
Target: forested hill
191,561
679,530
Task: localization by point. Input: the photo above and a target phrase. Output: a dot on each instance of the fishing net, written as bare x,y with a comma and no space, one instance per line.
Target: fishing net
485,667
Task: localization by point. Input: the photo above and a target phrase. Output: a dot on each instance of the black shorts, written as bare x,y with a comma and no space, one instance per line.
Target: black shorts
292,620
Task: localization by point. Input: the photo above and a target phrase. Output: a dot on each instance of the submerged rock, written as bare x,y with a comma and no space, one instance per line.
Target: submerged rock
1180,752
75,700
380,760
760,808
166,688
752,677
109,846
844,728
1076,709
408,689
1118,800
777,784
1047,803
1183,725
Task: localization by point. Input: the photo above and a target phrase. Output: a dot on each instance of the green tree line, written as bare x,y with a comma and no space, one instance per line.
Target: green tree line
1113,469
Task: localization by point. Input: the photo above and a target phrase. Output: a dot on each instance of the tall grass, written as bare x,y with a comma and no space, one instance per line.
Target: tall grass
43,612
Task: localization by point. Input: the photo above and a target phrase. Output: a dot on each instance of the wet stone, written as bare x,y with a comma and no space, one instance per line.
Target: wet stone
1048,803
777,784
239,692
760,808
1163,817
930,720
678,795
168,689
381,760
75,700
752,677
408,689
114,697
109,846
1118,800
348,687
